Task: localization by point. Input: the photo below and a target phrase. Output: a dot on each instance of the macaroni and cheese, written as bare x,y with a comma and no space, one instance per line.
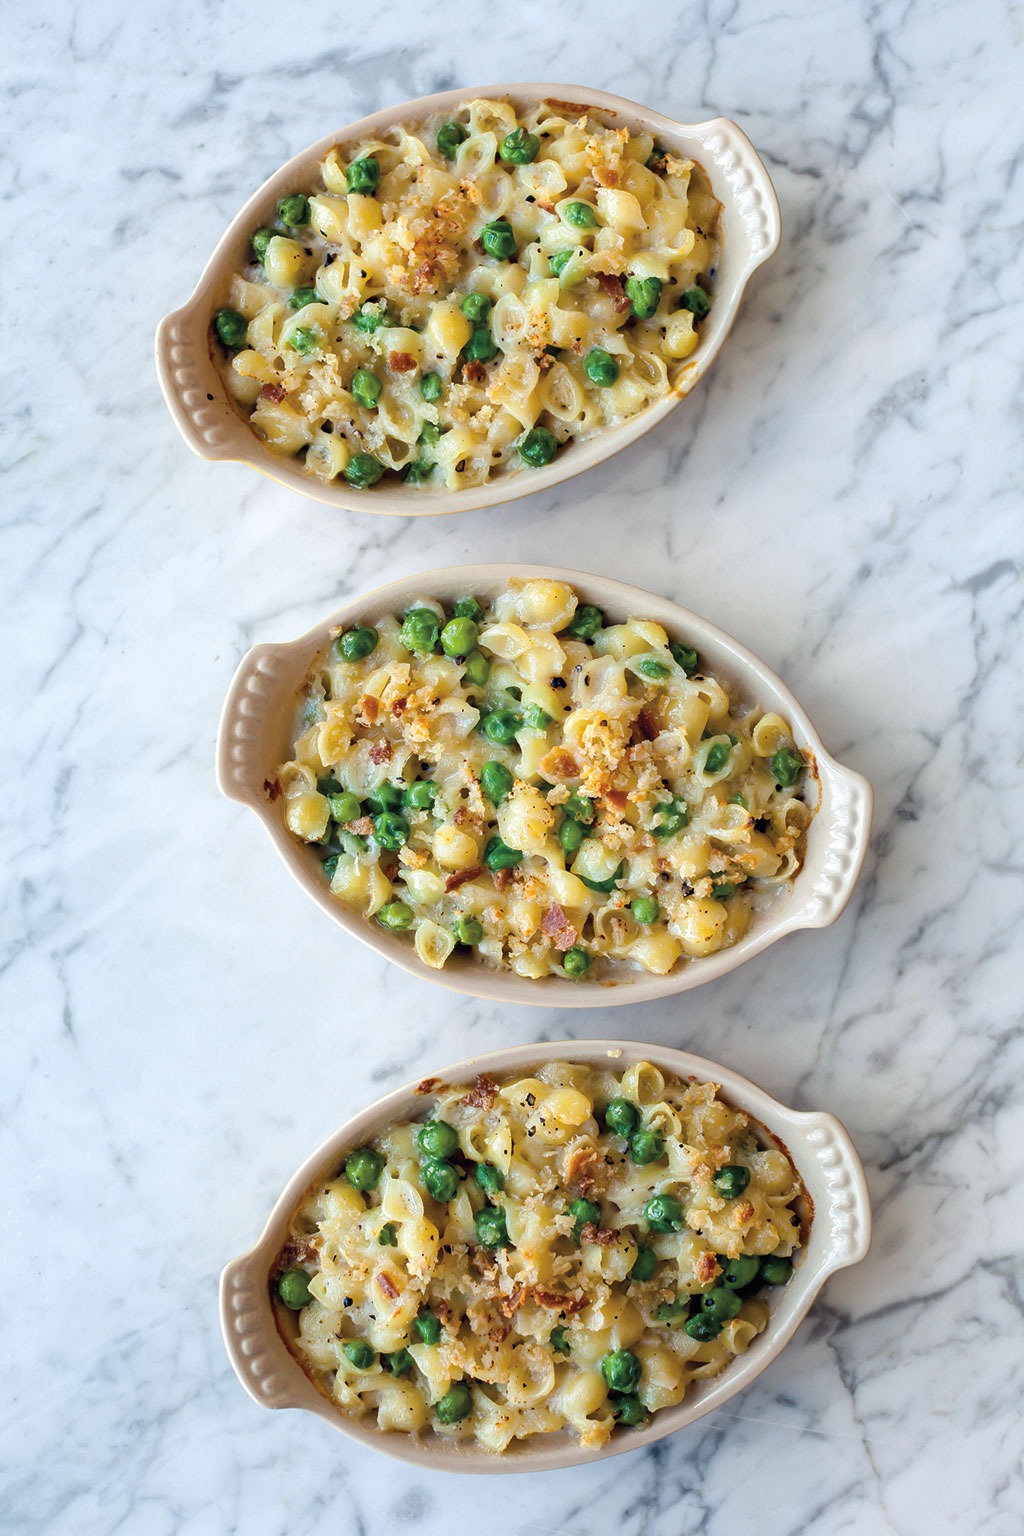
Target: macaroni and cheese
549,791
565,1251
466,295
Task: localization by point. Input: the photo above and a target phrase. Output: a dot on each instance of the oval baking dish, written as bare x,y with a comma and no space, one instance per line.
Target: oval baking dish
836,1221
213,427
256,735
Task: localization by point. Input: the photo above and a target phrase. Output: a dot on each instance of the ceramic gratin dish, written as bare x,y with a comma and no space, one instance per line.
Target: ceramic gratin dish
214,428
837,1204
257,732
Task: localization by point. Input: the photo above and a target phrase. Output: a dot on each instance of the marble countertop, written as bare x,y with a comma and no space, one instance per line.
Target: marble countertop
181,1027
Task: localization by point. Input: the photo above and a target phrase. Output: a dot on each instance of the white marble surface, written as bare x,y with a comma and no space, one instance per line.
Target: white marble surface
180,1027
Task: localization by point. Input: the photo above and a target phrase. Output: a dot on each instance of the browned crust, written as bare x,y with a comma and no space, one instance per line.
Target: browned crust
483,1092
460,877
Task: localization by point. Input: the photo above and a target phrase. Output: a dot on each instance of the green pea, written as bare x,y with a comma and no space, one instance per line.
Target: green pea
622,1370
559,1340
476,307
723,890
672,1311
490,1227
230,327
644,294
575,961
645,1263
647,1147
721,1303
787,766
359,1354
430,433
303,340
303,296
468,608
431,386
731,1180
418,471
519,147
536,718
496,782
656,160
399,1362
439,1179
260,240
354,644
571,835
387,1237
500,726
776,1271
327,784
538,447
685,655
671,816
600,367
420,631
628,1410
478,669
437,1139
650,666
345,807
559,260
363,470
586,622
468,930
498,240
420,796
449,137
605,886
293,1288
738,800
331,865
718,755
621,1117
645,909
365,388
490,1179
498,855
740,1272
369,317
427,1326
395,915
293,211
363,1168
459,637
386,797
580,808
696,301
663,1213
702,1327
391,830
481,346
363,176
584,1212
456,1405
580,215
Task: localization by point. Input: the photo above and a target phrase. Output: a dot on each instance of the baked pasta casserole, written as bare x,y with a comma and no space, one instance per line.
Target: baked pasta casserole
547,790
462,296
568,1251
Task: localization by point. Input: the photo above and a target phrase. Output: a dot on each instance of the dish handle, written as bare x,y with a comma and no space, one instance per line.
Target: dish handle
190,385
256,1351
738,163
847,800
241,748
836,1180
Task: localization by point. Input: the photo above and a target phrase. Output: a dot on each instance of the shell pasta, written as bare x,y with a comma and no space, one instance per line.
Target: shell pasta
463,296
561,1252
535,785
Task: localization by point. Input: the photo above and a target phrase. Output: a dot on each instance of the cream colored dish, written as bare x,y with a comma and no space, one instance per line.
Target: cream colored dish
215,427
257,735
835,1220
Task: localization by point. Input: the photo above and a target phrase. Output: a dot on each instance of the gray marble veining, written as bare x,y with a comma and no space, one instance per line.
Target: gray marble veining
842,492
